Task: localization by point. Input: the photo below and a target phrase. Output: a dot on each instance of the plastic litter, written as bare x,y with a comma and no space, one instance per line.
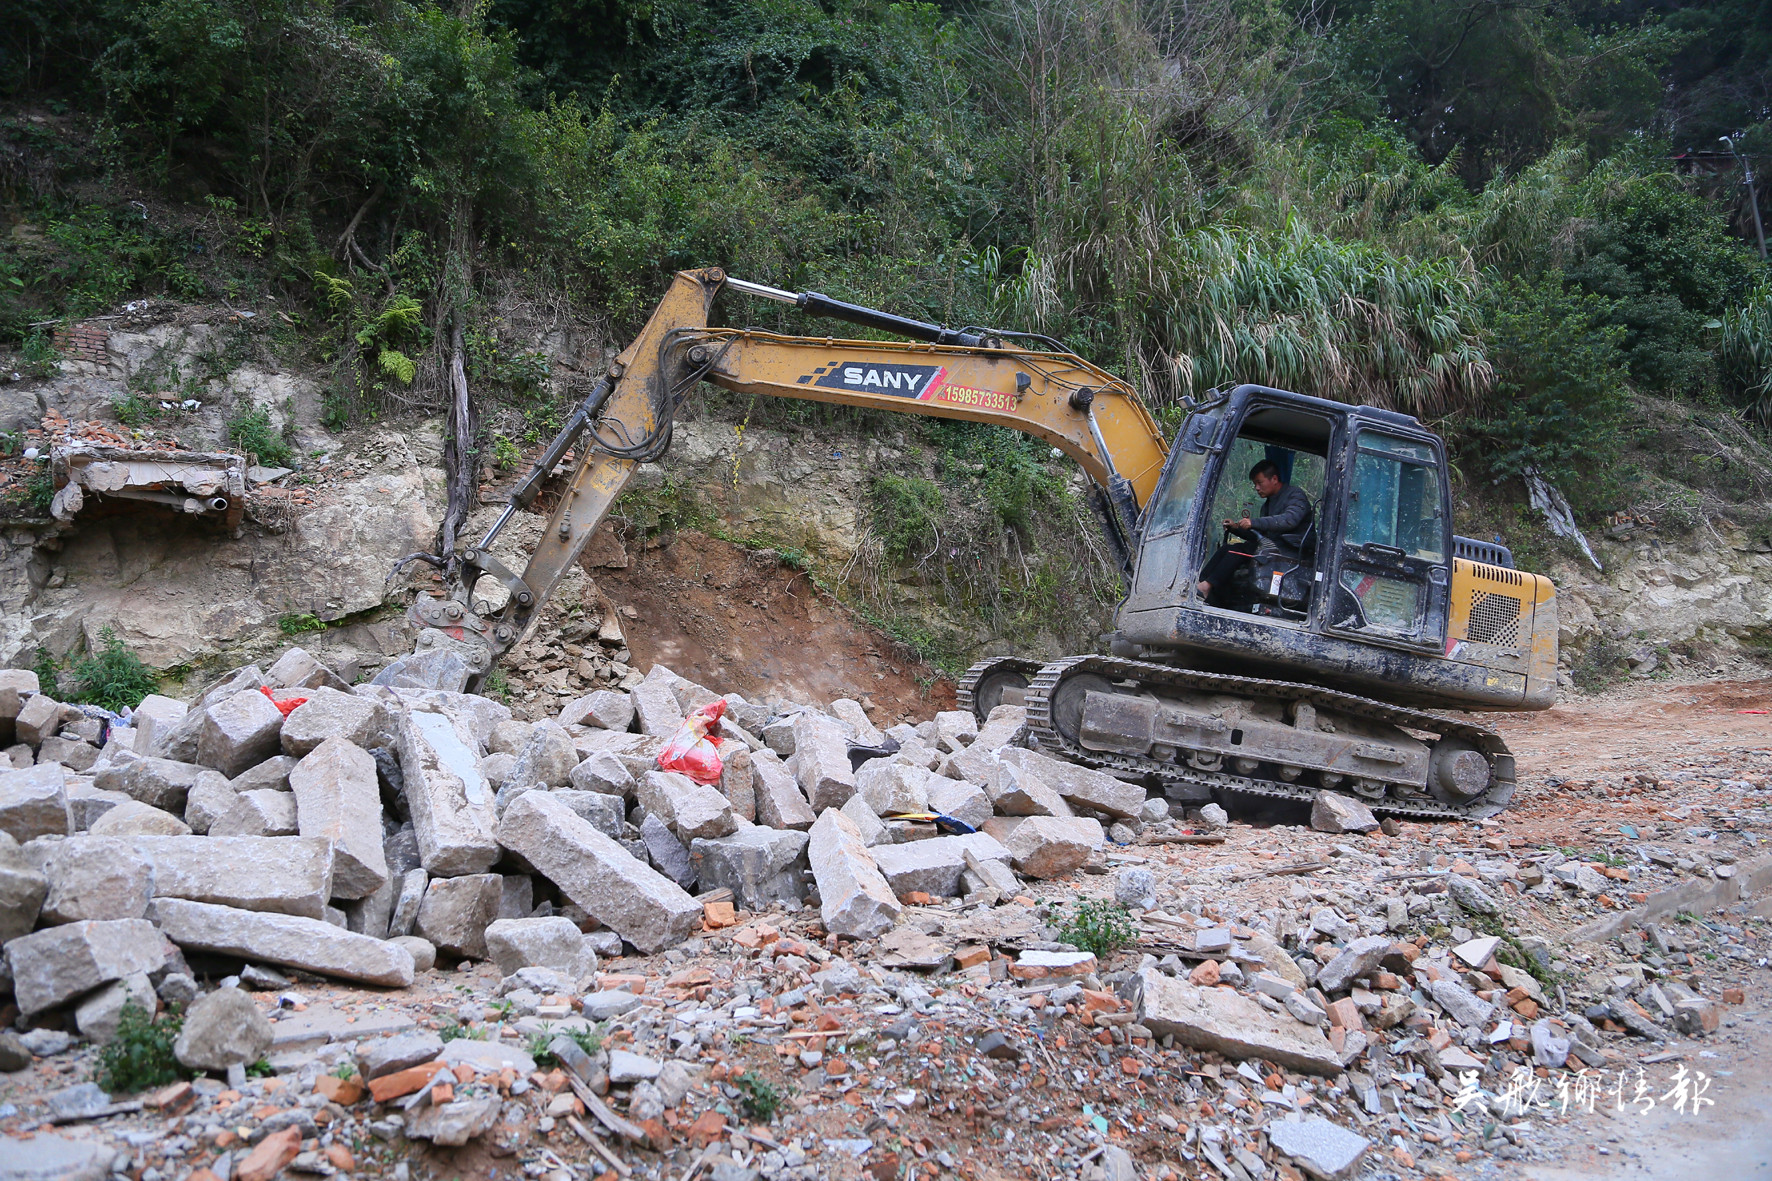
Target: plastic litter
691,750
285,707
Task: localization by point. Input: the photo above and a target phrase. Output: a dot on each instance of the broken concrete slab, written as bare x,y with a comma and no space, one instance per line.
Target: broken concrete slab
761,866
312,945
95,877
238,732
1234,1025
1051,846
873,830
208,800
855,899
780,803
821,761
456,912
328,713
634,900
58,964
338,798
450,801
286,875
34,802
1322,1148
270,775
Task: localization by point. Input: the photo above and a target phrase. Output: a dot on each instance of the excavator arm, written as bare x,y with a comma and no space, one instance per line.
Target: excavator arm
1082,410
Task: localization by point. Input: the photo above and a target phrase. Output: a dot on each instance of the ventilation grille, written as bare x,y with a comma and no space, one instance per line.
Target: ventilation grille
1488,552
1497,574
1495,619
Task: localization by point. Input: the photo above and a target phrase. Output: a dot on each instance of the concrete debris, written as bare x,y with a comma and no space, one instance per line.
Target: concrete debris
1233,1025
1323,1149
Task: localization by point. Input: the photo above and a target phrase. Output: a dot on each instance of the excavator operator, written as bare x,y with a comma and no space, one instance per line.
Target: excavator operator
1285,522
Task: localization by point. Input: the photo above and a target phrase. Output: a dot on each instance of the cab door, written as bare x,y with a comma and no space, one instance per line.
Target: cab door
1165,526
1392,565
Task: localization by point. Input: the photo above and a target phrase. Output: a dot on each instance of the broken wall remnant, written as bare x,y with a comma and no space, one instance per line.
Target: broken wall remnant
209,484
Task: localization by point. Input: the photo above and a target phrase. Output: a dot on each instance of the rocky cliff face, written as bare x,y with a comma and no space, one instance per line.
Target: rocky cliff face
317,543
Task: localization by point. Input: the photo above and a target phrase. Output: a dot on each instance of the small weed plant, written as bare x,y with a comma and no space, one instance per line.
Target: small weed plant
1100,927
250,429
140,1056
761,1098
295,623
114,677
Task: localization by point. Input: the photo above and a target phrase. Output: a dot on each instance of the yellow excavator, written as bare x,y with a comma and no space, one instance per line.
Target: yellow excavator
1311,670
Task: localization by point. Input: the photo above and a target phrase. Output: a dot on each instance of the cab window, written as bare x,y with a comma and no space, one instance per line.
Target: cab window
1395,497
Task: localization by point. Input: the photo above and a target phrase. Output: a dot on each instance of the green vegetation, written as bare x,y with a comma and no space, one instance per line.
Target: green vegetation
294,623
760,1097
112,678
140,1056
250,430
1099,926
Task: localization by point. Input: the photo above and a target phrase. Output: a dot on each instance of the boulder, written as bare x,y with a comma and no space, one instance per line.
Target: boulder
328,713
606,709
155,716
934,866
966,802
603,811
955,729
691,809
98,1016
852,715
855,899
38,718
634,900
22,890
95,877
780,803
338,798
71,753
311,945
132,818
159,783
1229,1023
548,757
821,761
58,964
891,786
553,943
209,799
222,1029
1051,846
456,912
238,732
261,813
761,866
451,803
299,669
1018,791
605,772
1335,813
34,802
656,709
1082,786
286,875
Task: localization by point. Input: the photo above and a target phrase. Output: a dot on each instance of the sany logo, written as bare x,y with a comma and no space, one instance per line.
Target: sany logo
875,377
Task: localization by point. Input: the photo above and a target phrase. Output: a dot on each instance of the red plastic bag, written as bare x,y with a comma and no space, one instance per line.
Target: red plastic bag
288,705
691,751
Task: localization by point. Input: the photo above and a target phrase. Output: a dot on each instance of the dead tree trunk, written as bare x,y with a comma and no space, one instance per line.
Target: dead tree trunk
461,458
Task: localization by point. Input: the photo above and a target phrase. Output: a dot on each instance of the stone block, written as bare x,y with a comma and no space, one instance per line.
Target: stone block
222,1029
603,771
228,684
761,866
548,757
965,802
311,945
1017,791
634,900
603,811
1335,813
286,875
456,912
178,740
159,783
239,732
34,802
891,786
270,775
132,818
1051,846
328,713
258,814
69,752
98,1016
22,890
656,709
934,866
851,714
955,729
780,803
300,669
607,709
691,809
407,899
1229,1023
821,761
855,899
38,717
155,716
338,798
873,830
667,853
1082,786
450,801
92,877
738,781
541,943
59,964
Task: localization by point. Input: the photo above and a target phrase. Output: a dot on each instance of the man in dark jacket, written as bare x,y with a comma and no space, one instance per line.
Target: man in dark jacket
1285,521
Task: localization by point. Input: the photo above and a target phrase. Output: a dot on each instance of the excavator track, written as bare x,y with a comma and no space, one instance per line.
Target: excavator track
1157,677
975,682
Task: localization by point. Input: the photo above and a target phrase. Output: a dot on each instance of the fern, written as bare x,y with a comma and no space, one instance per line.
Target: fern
397,365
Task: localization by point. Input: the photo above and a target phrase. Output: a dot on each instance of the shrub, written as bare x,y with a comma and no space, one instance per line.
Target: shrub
250,429
761,1098
140,1056
114,677
1100,927
908,512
